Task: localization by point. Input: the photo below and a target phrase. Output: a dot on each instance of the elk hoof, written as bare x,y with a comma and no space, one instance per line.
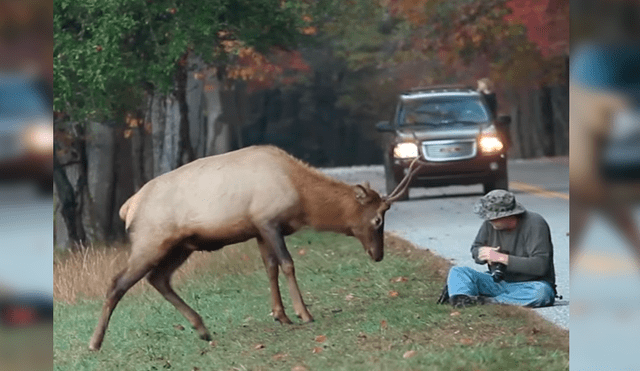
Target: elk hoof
94,347
283,320
206,336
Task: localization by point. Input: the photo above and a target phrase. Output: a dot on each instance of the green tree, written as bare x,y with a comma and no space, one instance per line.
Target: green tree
112,57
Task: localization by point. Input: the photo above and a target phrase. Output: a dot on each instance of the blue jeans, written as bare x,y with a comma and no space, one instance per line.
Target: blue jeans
468,281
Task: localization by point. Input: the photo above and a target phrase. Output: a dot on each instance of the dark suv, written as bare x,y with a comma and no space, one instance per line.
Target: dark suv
452,129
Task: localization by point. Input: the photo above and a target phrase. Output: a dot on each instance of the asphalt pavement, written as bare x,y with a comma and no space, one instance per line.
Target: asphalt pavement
441,219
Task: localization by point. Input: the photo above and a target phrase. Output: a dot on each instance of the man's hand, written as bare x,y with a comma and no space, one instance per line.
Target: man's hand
491,255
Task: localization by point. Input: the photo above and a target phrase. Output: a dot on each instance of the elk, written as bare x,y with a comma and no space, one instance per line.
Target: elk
257,192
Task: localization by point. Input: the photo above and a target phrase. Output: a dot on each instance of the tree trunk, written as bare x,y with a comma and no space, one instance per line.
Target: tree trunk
185,149
213,104
165,118
69,166
100,145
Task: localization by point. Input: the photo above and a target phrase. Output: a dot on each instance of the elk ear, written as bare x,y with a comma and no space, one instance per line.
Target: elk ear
362,193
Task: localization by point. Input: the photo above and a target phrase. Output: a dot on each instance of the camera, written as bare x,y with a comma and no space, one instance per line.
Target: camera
497,273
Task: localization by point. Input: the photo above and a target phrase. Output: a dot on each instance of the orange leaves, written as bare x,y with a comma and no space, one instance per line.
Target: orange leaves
466,341
393,294
547,23
318,339
309,30
262,70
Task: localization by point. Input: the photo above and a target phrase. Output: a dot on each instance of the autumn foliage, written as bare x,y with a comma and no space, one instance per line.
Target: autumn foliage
514,41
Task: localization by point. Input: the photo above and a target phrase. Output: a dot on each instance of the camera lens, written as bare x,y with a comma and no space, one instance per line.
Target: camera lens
498,272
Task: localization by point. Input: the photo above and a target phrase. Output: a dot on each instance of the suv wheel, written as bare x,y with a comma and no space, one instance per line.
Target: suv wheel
392,182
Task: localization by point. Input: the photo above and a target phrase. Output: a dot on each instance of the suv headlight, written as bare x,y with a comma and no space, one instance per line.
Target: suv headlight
489,141
405,150
38,137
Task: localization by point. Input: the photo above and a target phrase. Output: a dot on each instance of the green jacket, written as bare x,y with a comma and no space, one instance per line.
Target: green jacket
529,248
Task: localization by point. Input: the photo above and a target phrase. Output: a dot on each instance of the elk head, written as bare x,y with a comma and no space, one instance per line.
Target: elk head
370,228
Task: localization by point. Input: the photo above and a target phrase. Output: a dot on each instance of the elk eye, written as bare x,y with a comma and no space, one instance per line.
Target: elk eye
377,221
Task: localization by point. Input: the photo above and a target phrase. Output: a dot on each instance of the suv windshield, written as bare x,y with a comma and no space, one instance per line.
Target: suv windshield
442,111
20,100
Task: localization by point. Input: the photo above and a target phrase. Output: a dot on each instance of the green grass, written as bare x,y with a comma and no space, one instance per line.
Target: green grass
366,326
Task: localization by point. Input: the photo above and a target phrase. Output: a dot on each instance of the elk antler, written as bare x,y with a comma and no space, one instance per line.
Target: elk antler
404,183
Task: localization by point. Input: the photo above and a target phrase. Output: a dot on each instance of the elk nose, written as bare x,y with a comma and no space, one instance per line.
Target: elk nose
376,255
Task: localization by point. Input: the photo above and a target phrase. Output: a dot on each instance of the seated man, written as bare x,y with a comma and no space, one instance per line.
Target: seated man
517,246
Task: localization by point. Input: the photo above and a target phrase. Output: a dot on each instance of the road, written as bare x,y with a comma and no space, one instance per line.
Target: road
442,219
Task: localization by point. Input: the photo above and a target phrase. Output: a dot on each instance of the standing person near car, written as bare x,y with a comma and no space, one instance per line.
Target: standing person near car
520,241
485,87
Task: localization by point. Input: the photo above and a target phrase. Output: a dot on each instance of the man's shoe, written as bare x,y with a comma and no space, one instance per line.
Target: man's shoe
444,295
461,301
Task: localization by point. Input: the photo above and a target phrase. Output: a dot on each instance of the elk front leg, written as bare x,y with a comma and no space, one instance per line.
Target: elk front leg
271,265
274,238
160,278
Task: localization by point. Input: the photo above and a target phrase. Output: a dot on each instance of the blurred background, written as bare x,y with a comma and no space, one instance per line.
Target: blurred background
605,184
26,170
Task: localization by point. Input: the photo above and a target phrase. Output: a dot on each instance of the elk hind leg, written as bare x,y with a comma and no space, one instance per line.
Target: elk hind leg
121,283
160,279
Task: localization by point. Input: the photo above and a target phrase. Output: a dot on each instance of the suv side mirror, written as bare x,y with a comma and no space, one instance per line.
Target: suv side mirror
384,126
504,120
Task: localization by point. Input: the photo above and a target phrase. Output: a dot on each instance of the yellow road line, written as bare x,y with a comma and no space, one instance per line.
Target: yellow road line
537,190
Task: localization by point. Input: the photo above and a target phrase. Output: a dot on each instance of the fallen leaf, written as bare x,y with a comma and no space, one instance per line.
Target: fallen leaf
534,330
409,354
302,252
466,341
178,327
456,332
299,368
383,324
279,356
393,293
453,314
321,339
349,297
213,343
259,346
337,310
399,279
316,350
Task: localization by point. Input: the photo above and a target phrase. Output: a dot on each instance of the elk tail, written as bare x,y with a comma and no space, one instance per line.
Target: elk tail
127,210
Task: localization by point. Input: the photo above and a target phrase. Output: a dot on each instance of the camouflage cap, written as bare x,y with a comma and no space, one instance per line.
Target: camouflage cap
498,204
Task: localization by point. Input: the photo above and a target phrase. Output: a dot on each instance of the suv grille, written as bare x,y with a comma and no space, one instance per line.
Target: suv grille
449,150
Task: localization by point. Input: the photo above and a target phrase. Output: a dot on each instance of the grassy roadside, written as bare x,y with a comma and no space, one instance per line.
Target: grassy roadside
368,316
